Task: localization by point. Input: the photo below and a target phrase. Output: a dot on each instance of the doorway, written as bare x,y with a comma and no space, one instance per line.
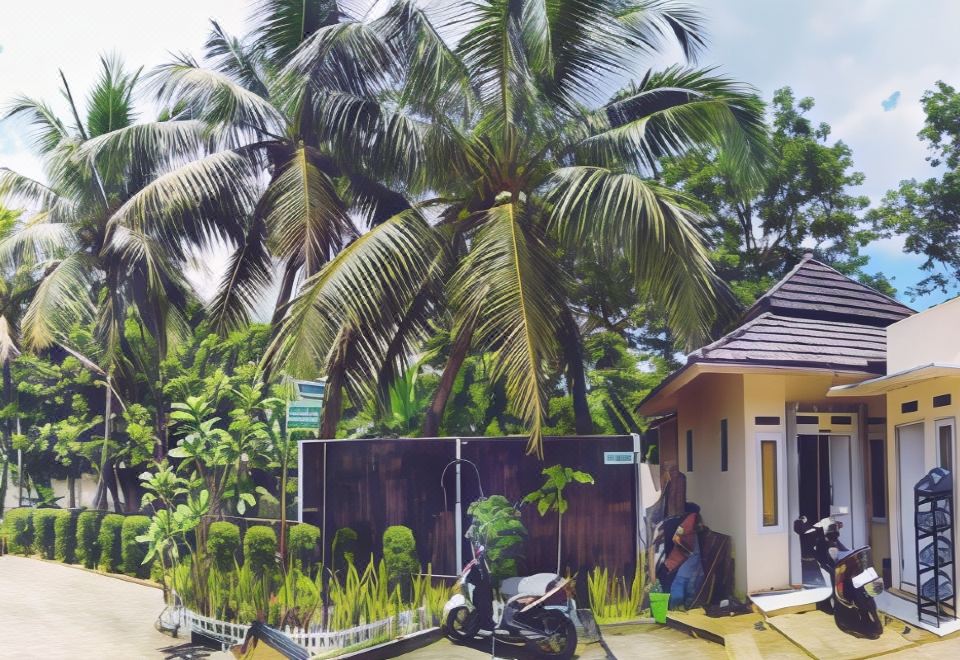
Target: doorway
909,472
824,485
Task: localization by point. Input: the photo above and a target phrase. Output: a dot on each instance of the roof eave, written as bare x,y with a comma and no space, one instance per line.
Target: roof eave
897,380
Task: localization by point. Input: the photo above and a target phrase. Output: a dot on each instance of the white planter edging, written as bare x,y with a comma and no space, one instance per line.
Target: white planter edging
312,639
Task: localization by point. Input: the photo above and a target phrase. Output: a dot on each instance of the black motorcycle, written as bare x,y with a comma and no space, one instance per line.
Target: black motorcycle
537,612
854,581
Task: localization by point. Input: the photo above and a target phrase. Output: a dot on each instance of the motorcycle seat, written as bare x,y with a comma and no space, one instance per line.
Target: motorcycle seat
531,585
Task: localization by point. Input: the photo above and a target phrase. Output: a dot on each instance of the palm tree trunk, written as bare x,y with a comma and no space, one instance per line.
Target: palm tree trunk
459,352
576,375
336,380
286,290
7,435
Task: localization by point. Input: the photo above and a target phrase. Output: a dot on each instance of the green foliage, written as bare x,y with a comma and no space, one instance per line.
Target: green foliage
302,542
44,533
496,525
133,552
65,536
108,539
88,546
260,549
223,544
611,599
400,555
344,547
18,529
549,497
363,598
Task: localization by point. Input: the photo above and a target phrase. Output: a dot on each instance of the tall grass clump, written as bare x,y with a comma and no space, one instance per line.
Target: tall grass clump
611,598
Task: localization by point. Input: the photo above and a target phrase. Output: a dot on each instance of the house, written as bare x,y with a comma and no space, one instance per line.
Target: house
921,388
757,423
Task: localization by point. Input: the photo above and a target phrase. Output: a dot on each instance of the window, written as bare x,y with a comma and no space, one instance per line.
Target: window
941,400
723,445
944,429
878,478
768,470
908,407
689,451
771,483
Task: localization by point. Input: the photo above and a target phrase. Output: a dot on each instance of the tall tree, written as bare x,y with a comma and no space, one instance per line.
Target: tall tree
927,212
521,164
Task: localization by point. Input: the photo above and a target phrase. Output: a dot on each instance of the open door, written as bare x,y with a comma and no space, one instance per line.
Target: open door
909,472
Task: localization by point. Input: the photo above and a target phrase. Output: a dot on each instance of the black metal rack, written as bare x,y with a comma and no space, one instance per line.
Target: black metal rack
936,574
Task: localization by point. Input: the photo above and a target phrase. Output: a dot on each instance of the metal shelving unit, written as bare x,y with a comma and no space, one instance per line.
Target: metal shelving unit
936,573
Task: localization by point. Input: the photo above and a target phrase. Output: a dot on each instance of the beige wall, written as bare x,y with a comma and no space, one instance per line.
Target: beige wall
924,338
923,394
721,495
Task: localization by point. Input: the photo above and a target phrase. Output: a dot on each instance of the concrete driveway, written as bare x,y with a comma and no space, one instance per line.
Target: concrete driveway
48,610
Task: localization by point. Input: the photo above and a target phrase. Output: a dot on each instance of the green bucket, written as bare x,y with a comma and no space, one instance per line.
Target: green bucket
658,606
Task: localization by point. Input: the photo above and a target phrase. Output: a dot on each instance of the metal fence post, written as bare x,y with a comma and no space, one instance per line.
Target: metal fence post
458,516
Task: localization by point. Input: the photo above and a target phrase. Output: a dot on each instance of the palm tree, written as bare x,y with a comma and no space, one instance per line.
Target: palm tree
98,252
520,149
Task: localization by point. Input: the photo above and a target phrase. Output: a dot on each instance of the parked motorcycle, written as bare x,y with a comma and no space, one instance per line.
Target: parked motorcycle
538,612
853,579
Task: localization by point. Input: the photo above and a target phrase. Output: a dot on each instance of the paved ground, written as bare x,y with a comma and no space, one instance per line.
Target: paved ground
52,611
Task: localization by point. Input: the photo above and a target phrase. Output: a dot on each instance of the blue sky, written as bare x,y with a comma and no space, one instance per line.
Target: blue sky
866,62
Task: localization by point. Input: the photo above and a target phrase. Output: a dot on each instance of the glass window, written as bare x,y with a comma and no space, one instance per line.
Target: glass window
769,479
723,445
689,451
878,478
945,444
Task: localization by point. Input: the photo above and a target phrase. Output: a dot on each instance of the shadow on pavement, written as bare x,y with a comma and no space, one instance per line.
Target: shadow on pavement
186,652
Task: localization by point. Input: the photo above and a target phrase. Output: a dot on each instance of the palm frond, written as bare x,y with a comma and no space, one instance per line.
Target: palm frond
285,24
235,58
248,275
8,341
37,240
510,278
110,106
153,145
624,216
61,299
46,128
17,189
652,25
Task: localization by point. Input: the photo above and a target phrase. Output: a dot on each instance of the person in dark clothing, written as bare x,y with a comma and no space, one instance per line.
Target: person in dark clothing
683,561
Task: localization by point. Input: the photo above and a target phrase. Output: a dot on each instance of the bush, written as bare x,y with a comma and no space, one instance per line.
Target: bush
400,555
65,536
87,546
132,551
344,547
18,528
496,525
43,532
302,544
109,541
223,545
259,548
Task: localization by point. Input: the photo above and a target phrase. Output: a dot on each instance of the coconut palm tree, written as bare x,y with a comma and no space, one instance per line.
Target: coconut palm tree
533,140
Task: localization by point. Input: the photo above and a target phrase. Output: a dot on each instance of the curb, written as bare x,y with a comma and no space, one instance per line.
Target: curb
396,647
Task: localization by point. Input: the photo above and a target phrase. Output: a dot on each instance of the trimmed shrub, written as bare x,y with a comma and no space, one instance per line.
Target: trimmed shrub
88,546
18,528
344,547
65,536
223,545
302,541
43,532
132,551
400,555
108,539
259,548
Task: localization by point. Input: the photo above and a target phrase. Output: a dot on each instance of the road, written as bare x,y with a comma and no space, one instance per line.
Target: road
52,611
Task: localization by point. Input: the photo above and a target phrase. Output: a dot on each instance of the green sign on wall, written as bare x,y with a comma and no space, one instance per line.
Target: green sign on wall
303,416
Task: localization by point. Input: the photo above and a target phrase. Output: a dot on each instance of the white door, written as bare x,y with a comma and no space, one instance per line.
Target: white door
841,494
909,472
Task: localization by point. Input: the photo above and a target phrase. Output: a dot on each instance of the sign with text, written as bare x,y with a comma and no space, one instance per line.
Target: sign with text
618,458
303,416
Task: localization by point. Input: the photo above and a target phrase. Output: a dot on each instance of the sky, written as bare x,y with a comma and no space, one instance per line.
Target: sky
865,62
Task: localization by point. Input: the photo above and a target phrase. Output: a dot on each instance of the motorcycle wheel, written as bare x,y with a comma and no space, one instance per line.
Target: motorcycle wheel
562,644
462,625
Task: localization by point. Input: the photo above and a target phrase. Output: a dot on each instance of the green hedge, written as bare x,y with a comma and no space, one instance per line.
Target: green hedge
132,551
259,548
65,536
108,539
223,544
44,533
400,555
302,544
88,546
18,528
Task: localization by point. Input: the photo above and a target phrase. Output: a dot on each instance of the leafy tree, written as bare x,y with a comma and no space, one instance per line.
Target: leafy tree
505,141
495,524
803,202
928,212
549,497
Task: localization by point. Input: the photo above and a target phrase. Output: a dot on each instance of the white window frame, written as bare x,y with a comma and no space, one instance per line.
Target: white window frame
778,438
939,424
